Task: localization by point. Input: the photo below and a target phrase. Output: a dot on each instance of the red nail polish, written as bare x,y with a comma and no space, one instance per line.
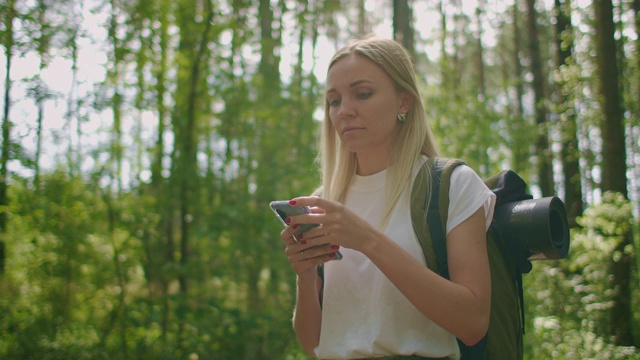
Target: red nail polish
300,236
332,255
303,242
335,247
292,202
287,221
295,226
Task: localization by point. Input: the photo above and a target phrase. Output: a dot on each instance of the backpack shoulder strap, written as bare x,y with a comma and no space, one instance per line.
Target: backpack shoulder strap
429,213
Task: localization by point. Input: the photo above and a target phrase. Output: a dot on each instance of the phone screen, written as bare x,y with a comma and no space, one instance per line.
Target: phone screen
284,210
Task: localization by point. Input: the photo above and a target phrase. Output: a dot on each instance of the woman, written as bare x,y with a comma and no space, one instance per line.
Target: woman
381,300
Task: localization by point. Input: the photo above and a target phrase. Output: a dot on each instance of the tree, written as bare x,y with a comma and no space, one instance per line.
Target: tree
481,83
72,114
543,151
403,25
39,90
195,37
570,152
117,99
5,156
613,164
519,144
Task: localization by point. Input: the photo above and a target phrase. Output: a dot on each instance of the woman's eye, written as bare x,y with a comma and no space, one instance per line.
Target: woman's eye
334,102
365,95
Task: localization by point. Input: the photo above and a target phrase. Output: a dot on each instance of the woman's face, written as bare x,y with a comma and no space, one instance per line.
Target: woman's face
363,106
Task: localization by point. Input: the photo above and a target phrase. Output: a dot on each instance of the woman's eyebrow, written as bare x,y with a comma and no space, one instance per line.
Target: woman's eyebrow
352,85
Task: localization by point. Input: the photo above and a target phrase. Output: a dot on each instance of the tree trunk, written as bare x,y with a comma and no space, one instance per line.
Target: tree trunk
140,105
160,249
403,25
636,16
39,118
160,93
269,72
567,114
544,171
481,86
189,146
40,90
117,99
6,130
613,147
457,34
362,17
73,155
521,150
635,150
614,164
120,310
444,56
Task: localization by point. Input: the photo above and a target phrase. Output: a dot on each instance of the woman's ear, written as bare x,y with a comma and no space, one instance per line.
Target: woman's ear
406,100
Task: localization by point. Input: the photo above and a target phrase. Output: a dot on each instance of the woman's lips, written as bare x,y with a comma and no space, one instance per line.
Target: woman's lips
350,130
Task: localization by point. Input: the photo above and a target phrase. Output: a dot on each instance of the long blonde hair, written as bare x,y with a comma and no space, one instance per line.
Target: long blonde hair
339,165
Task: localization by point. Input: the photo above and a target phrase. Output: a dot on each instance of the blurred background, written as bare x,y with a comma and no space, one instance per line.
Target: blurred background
142,142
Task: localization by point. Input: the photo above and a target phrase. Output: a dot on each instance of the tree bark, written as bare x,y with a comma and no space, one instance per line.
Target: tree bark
567,113
40,89
613,147
443,44
117,99
74,156
457,34
362,17
403,25
189,146
614,164
6,130
480,54
521,151
544,171
636,16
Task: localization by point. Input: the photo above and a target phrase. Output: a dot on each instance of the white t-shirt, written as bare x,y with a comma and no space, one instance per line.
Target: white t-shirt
363,314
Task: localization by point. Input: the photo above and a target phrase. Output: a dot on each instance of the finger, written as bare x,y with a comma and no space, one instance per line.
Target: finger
314,236
313,201
287,234
317,210
312,252
316,219
302,266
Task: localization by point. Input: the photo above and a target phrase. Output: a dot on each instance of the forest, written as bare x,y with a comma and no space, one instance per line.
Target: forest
142,142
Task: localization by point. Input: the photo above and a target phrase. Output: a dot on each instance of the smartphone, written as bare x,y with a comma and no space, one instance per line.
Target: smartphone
283,210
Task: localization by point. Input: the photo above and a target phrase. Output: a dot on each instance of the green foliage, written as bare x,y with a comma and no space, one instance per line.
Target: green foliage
568,301
188,263
75,289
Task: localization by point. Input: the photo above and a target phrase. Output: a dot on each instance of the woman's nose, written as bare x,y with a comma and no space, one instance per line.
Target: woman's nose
346,109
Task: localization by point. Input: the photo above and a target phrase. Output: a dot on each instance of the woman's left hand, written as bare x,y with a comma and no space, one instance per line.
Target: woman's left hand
338,224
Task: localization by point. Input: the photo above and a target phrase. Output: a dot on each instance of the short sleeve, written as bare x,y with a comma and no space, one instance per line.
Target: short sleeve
467,194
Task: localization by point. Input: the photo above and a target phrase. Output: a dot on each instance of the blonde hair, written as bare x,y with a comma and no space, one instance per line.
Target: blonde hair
339,165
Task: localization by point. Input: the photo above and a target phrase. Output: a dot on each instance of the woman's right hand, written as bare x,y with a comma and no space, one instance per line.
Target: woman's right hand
305,259
307,317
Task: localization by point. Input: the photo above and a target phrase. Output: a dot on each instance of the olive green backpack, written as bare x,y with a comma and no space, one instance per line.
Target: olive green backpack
509,258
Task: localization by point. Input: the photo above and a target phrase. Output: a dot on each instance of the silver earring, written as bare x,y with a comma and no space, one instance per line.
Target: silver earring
402,117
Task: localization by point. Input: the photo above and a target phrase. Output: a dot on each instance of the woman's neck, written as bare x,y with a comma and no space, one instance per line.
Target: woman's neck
369,165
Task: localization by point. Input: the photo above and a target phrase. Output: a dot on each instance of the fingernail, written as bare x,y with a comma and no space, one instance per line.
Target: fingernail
295,226
303,242
332,255
287,220
335,247
292,202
